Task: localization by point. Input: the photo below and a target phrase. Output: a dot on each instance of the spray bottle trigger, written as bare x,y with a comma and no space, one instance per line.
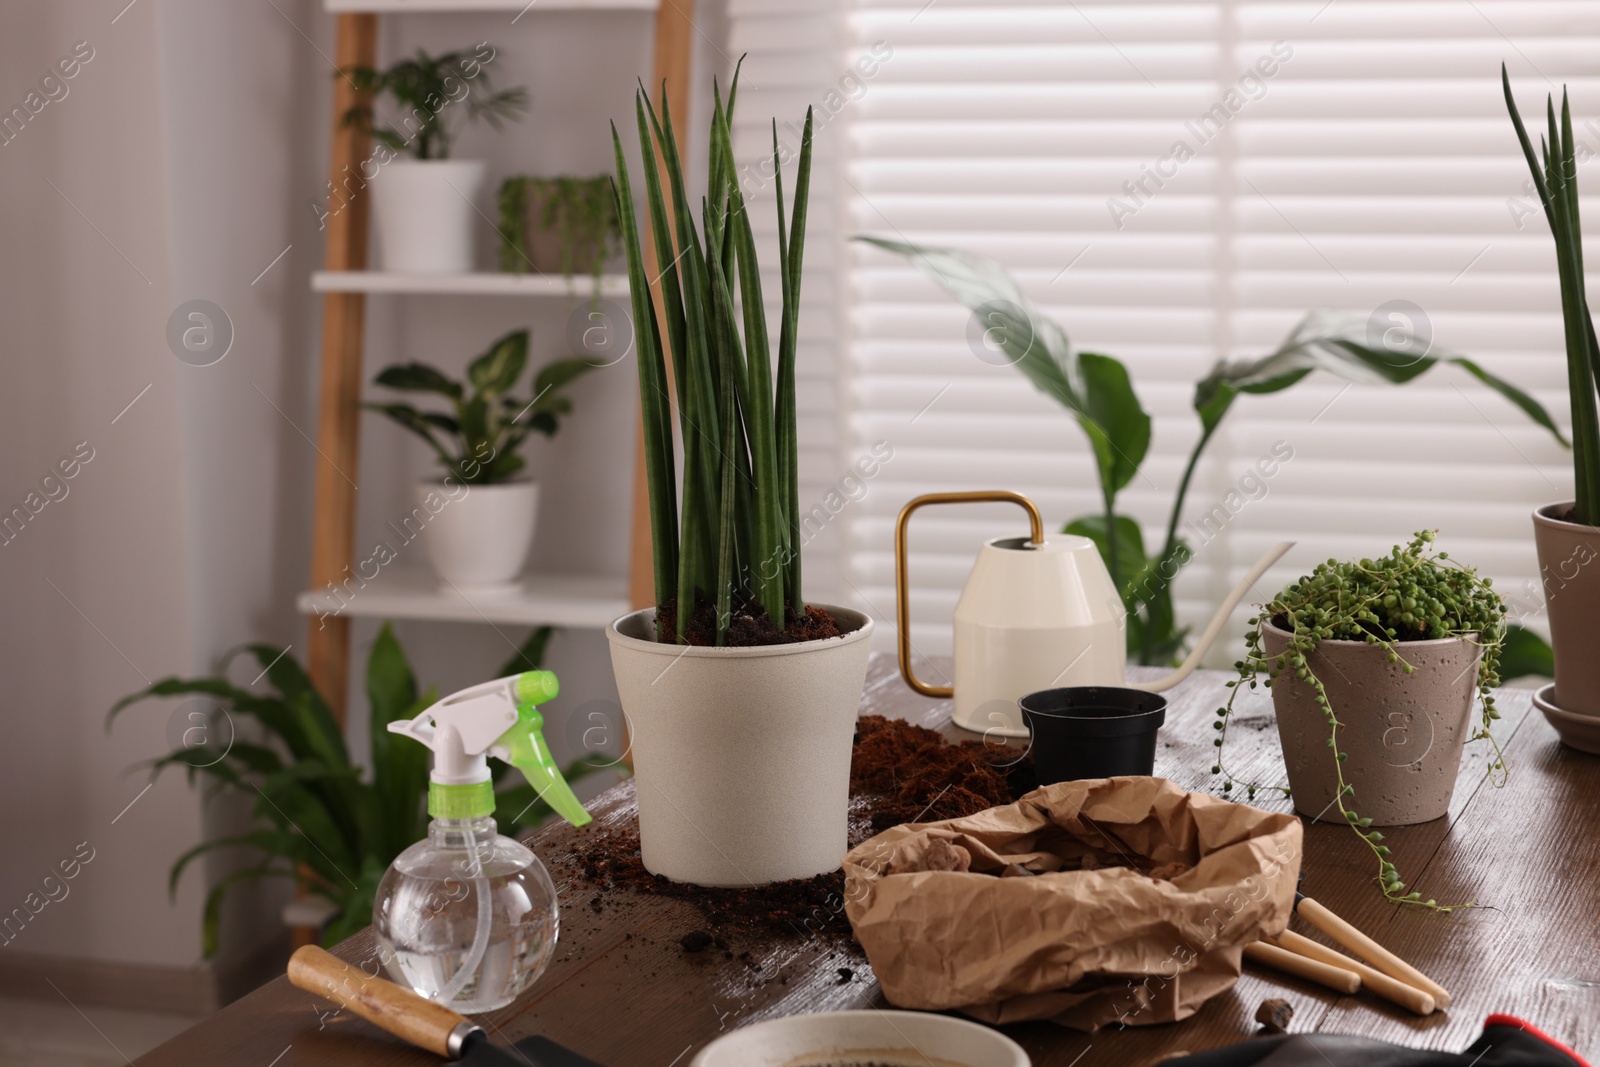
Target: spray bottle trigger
527,751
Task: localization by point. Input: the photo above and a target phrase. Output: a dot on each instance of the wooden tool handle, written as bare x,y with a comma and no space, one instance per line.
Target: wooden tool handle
1337,978
1409,997
401,1012
1369,950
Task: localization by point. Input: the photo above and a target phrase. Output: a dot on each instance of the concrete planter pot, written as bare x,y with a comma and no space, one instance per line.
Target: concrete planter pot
741,756
1568,554
1404,732
478,535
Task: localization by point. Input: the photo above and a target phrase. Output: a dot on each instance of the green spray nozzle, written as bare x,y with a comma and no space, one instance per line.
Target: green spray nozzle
528,752
501,719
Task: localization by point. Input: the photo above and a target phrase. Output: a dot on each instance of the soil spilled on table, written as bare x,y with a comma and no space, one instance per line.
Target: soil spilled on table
898,773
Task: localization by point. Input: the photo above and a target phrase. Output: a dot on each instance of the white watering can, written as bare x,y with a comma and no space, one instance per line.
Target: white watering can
1037,614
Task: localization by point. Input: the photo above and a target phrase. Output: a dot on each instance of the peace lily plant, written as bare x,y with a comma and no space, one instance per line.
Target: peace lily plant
1098,391
740,695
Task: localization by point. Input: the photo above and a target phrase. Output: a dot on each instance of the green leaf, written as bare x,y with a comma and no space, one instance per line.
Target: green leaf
1095,388
555,376
530,655
399,764
498,369
1129,548
418,378
1525,653
1115,421
1337,342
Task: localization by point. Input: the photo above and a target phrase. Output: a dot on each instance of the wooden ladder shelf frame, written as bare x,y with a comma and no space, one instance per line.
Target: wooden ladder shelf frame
333,516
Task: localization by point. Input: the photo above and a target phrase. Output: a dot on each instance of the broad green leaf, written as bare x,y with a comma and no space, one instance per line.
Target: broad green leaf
498,369
1526,653
1112,417
1338,342
1129,546
420,378
1095,388
529,656
554,376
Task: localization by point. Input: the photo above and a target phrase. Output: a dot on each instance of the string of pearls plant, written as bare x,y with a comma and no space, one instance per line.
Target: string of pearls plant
1412,594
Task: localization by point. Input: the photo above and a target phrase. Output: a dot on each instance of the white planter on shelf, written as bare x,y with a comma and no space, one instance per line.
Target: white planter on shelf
741,756
478,535
425,211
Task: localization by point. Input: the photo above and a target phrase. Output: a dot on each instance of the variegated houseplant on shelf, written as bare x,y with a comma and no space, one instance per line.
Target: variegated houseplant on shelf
1567,533
741,697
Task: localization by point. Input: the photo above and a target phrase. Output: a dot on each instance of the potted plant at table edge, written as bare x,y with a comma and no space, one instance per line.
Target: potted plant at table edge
480,513
562,225
1373,667
424,206
346,828
1567,533
741,698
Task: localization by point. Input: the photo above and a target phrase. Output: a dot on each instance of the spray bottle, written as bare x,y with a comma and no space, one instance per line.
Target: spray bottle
467,917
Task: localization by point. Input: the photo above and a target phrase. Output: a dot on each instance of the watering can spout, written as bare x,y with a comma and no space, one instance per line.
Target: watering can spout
1218,621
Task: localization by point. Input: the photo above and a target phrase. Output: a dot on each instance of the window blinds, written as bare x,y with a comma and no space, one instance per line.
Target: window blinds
1172,183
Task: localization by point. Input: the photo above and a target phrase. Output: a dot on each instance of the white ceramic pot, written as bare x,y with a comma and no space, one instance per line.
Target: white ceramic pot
478,535
741,756
425,213
891,1038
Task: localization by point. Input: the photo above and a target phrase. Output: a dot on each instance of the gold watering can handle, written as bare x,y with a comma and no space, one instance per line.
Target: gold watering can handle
902,589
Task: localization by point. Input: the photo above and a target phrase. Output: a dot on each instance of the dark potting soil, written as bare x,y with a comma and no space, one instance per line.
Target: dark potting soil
748,625
898,773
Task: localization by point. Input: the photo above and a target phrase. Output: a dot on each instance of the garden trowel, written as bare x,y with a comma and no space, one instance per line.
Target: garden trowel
425,1024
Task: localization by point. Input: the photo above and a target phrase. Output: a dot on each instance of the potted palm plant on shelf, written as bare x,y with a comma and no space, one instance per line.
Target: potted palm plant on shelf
424,205
477,520
1567,533
741,697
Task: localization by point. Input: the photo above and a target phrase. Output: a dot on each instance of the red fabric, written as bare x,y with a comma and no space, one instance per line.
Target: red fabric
1499,1019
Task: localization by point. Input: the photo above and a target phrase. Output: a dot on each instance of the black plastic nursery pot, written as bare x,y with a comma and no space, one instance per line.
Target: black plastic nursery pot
1092,731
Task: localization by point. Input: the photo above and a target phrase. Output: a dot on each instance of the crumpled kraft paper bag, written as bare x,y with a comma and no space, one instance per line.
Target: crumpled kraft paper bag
1083,948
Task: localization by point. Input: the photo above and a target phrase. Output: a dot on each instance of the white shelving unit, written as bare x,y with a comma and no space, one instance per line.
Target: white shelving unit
576,600
481,284
439,6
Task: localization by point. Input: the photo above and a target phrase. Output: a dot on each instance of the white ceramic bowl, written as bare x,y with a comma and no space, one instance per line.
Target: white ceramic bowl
912,1038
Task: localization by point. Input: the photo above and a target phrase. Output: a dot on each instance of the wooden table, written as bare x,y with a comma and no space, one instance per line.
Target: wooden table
624,992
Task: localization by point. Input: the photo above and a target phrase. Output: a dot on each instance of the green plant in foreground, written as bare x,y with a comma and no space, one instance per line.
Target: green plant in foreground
1098,391
1412,594
1557,181
424,88
581,212
478,440
735,542
318,817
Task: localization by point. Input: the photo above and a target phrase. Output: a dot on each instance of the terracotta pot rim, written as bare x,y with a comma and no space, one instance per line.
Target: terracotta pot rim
864,626
1346,643
1542,517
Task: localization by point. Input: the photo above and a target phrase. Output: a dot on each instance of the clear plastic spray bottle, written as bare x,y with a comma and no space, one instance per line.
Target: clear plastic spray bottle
467,917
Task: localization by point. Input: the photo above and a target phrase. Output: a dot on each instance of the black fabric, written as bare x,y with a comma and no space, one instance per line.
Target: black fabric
1499,1046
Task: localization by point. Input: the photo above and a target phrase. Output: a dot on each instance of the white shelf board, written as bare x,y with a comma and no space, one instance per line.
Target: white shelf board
480,284
578,600
427,6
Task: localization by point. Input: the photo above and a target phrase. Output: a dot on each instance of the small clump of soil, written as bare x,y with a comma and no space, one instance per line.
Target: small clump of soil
748,625
898,773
